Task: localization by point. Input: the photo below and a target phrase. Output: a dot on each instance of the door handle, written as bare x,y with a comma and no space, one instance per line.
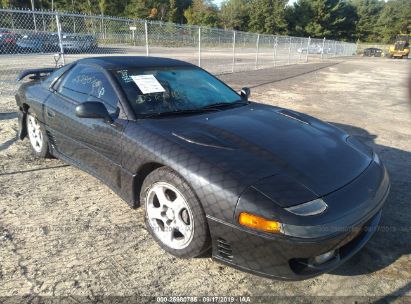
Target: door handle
50,113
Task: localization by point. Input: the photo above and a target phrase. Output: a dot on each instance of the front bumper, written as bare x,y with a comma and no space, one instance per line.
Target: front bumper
289,257
283,258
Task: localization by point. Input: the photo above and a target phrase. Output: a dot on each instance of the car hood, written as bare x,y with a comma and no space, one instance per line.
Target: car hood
258,141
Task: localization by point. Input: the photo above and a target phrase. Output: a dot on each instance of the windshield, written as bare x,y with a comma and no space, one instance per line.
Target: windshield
172,90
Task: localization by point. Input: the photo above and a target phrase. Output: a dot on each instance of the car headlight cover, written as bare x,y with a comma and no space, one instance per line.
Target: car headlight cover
259,223
314,207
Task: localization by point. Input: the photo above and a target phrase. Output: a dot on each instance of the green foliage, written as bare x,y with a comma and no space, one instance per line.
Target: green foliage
267,16
368,12
138,9
395,18
234,14
202,12
334,19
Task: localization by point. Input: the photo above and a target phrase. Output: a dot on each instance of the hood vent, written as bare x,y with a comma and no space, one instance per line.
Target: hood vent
293,115
224,249
202,139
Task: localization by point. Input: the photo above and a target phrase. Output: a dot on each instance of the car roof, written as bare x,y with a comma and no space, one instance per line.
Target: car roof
125,62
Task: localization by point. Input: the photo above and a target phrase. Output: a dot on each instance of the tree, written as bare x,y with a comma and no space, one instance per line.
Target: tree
173,13
298,17
234,15
116,7
176,10
138,9
102,6
202,12
368,12
394,19
267,16
333,19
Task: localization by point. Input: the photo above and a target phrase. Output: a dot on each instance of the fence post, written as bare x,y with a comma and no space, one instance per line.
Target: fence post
275,50
232,68
60,39
12,21
199,47
308,49
134,32
34,15
289,49
301,49
146,34
44,24
256,55
322,49
329,48
72,18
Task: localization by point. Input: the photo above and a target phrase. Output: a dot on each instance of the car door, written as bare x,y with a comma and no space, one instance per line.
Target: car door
93,144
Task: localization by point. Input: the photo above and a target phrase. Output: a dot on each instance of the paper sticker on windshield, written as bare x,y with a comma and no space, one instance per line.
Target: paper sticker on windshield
147,84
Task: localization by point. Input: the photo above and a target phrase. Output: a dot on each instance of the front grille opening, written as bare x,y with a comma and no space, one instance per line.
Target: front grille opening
224,249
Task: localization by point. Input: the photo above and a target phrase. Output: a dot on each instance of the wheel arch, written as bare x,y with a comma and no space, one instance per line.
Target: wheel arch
141,174
24,109
148,168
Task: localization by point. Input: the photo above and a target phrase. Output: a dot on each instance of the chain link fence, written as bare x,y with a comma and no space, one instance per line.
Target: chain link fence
32,39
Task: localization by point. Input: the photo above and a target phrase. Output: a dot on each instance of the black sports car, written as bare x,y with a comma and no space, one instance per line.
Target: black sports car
372,52
271,191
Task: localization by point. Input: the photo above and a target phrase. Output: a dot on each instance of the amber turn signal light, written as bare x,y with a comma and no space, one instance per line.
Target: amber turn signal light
259,223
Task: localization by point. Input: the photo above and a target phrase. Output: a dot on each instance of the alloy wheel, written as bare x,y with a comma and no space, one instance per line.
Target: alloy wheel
169,215
35,133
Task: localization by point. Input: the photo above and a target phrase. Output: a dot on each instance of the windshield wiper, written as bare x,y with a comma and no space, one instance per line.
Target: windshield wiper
212,107
220,105
179,112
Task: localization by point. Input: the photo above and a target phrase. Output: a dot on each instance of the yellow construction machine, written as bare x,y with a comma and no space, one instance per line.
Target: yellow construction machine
400,48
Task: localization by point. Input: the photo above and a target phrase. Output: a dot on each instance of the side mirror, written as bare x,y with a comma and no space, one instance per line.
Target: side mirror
245,93
93,109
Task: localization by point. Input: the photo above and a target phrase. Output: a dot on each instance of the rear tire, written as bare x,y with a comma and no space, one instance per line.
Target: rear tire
37,136
173,214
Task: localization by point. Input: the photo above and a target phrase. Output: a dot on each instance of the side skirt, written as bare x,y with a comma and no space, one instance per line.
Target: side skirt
125,191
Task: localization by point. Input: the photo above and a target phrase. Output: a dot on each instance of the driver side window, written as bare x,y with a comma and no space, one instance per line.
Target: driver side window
85,83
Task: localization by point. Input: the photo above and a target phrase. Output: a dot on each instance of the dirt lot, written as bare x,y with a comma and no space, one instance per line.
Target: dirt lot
63,233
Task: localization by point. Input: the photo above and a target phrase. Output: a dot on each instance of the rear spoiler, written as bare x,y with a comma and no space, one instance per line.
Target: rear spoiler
35,73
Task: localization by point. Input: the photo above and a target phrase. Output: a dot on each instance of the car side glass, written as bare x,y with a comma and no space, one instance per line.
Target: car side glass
85,83
102,90
51,80
72,91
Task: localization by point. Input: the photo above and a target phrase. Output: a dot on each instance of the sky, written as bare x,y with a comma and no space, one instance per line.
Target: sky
218,2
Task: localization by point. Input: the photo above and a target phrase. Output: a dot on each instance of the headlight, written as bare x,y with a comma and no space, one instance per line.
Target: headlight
314,207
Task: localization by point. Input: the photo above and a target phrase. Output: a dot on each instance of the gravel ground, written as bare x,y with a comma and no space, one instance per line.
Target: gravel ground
63,233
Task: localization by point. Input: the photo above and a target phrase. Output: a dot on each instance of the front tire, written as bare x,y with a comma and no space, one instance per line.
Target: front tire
173,214
37,136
